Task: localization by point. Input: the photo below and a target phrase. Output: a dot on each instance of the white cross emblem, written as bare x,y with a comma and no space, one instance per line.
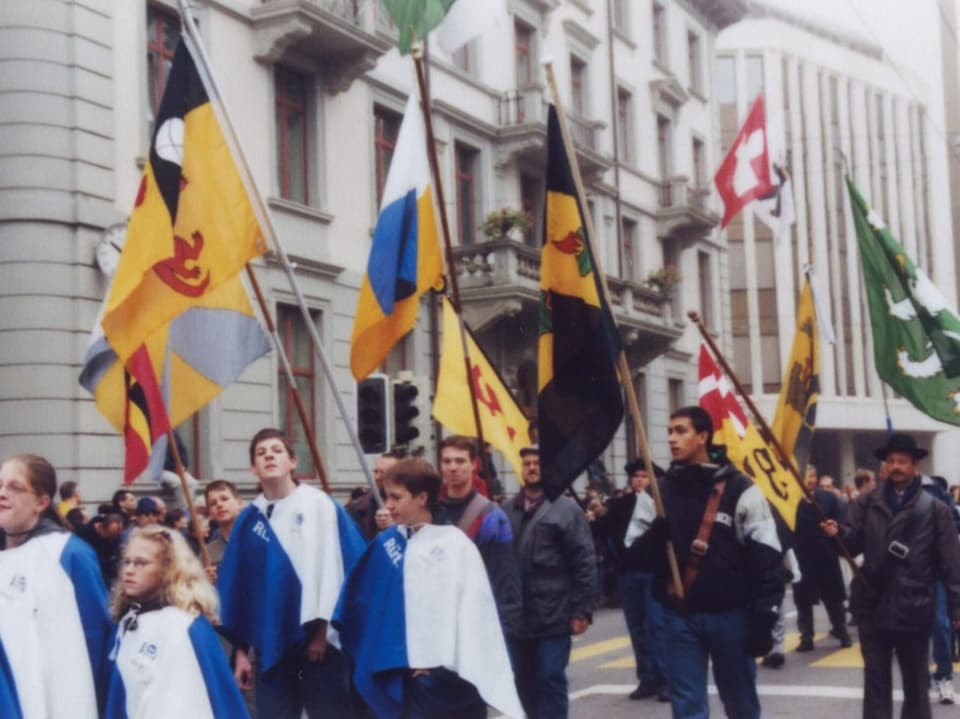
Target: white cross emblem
744,178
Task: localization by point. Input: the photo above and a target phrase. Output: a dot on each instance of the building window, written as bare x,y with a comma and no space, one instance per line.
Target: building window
464,59
386,127
754,76
299,349
189,432
664,163
292,146
163,34
628,231
726,88
531,195
699,164
523,53
675,394
578,89
466,180
660,34
705,278
624,125
621,21
693,61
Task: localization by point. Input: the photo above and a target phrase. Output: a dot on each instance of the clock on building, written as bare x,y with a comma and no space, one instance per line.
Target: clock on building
109,248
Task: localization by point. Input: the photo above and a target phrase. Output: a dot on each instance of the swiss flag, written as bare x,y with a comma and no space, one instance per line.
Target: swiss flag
744,174
716,397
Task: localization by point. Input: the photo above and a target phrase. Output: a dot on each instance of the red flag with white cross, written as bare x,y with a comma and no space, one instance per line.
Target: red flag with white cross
744,174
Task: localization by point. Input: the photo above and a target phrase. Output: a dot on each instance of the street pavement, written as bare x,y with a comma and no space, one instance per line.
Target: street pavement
825,682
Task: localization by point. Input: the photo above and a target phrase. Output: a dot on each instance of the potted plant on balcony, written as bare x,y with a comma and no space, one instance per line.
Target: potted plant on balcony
506,222
664,279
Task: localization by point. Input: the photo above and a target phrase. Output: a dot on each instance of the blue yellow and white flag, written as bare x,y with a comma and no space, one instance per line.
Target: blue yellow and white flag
405,259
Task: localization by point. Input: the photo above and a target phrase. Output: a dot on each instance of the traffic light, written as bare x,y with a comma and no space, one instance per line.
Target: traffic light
373,413
406,410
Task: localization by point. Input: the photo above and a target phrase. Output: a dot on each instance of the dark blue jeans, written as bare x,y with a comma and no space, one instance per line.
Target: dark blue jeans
942,637
322,688
540,668
689,641
644,617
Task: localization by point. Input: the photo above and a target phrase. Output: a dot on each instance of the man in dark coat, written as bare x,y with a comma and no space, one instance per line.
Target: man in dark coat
908,541
554,552
623,524
819,565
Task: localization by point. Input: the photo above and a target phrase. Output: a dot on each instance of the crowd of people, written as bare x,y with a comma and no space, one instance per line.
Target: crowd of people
436,600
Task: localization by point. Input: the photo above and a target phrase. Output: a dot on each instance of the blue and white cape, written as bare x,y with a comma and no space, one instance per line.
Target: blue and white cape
280,573
54,628
170,665
423,603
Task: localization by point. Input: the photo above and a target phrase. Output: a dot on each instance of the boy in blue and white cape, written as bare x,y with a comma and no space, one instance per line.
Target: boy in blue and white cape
417,615
279,581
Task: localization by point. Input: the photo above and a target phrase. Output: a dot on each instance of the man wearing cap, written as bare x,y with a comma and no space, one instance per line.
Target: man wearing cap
554,550
623,524
908,541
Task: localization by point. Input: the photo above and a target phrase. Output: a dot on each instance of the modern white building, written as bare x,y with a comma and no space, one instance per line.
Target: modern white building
835,104
317,96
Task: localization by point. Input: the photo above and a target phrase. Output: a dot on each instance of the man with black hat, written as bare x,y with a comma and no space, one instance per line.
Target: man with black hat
908,541
626,520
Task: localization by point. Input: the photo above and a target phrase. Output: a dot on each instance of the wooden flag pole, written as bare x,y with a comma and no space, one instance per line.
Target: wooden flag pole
188,496
623,368
448,247
770,437
265,220
291,382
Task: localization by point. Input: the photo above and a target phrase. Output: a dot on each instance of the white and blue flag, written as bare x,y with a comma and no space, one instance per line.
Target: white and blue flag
280,573
422,603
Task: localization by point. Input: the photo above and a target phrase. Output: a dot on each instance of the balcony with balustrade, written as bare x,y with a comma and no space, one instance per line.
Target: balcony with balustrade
501,278
342,38
683,211
522,119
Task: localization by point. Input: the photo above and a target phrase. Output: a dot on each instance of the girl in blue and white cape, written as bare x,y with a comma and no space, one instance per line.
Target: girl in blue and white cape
54,625
168,661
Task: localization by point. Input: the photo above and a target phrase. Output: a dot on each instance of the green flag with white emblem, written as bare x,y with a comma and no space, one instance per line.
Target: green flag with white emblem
916,336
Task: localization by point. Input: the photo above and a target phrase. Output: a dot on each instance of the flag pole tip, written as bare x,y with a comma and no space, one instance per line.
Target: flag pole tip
546,60
694,317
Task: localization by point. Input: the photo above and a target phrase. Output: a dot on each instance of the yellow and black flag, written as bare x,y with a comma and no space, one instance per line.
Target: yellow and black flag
796,415
580,403
192,227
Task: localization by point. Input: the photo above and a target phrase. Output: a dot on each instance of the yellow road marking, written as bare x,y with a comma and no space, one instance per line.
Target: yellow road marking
592,650
625,663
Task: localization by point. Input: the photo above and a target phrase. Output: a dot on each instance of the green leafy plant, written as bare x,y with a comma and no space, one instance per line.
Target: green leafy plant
664,279
499,222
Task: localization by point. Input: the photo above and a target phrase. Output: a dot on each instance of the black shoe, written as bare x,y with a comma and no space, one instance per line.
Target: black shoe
643,691
805,645
774,660
662,694
846,642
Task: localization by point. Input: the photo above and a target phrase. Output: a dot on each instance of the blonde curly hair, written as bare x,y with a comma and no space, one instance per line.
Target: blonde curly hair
185,584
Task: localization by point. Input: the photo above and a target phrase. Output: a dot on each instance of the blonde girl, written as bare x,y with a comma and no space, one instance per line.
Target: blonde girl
167,659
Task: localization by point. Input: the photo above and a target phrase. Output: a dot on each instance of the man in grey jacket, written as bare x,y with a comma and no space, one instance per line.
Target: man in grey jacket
554,552
908,541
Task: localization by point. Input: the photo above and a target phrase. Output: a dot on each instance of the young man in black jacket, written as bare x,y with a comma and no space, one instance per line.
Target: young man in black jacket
726,543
